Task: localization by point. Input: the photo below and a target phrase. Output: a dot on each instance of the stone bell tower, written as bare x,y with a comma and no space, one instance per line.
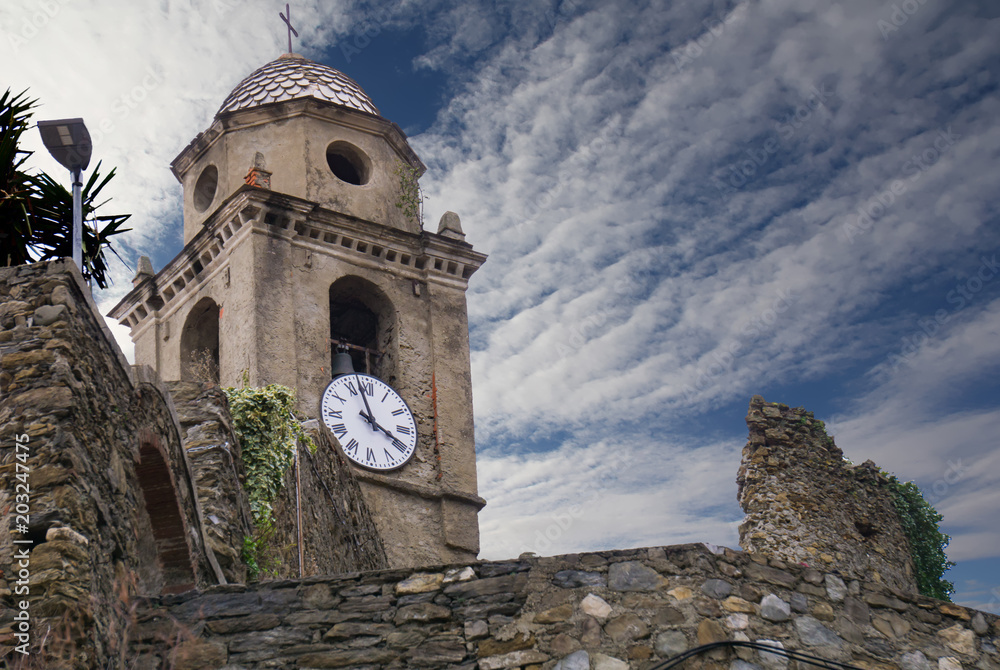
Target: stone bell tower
301,233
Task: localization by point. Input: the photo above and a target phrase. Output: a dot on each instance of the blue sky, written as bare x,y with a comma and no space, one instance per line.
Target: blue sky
684,204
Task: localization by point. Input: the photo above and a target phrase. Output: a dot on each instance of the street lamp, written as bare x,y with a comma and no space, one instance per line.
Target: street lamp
69,143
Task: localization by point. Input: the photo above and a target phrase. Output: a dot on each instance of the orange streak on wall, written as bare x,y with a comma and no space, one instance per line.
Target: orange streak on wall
434,403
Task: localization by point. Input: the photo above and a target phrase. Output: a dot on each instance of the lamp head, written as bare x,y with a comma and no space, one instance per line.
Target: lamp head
68,141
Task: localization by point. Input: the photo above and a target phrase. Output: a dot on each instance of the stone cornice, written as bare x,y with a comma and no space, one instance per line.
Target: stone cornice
423,257
286,109
428,492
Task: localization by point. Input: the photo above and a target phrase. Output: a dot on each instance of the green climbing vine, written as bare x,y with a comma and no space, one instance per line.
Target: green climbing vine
920,522
265,422
411,198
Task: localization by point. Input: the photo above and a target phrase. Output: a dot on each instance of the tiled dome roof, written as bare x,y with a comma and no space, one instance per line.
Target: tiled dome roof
293,76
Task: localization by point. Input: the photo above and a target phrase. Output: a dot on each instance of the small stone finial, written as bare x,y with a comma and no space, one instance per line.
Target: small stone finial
257,175
145,271
451,226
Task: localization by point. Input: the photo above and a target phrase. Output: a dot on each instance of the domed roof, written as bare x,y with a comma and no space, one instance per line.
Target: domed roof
293,76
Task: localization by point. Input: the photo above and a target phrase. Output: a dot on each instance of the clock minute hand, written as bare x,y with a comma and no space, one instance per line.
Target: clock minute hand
371,417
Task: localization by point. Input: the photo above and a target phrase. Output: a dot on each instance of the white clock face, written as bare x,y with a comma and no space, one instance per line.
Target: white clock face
373,424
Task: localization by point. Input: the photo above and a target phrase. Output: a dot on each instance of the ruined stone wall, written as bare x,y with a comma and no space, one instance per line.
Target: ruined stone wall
90,435
338,530
214,453
610,610
805,504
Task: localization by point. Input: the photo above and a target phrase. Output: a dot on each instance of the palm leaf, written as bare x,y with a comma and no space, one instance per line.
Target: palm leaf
36,211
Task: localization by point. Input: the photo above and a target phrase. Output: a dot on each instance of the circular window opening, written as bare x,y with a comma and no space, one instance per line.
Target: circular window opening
204,189
348,163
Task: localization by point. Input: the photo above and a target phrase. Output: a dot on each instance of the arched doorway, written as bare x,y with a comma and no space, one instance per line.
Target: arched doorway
200,343
169,534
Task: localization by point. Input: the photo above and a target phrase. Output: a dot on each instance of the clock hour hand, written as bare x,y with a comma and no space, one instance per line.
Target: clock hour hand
376,425
370,419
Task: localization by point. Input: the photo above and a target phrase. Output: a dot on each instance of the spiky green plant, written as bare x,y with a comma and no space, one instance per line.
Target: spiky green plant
36,211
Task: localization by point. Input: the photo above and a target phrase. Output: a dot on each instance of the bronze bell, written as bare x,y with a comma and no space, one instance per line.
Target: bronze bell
342,363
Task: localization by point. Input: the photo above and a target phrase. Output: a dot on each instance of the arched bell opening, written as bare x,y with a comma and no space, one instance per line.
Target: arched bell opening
169,535
200,343
363,319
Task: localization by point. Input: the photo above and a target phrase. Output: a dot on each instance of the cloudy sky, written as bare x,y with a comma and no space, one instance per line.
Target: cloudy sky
684,204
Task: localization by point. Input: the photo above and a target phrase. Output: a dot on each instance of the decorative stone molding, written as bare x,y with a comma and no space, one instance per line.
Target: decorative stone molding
424,257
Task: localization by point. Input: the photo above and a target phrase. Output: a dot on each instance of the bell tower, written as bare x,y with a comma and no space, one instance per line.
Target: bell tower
301,234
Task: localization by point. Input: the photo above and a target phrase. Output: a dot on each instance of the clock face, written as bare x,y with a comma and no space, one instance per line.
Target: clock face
373,424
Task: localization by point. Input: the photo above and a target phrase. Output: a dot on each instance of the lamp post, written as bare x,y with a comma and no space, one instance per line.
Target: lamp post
69,143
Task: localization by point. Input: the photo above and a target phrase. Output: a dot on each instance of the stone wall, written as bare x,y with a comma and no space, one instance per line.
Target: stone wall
214,453
102,466
805,504
606,610
338,530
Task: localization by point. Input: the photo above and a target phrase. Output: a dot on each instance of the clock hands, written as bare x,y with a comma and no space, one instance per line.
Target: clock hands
376,425
339,404
371,417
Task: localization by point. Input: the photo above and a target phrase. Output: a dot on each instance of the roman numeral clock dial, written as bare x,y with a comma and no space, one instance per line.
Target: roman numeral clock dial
374,426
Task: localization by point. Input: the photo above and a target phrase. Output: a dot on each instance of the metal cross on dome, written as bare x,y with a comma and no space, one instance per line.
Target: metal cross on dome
288,21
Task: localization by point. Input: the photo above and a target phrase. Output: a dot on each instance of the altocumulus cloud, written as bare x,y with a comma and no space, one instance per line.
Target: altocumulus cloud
633,283
664,190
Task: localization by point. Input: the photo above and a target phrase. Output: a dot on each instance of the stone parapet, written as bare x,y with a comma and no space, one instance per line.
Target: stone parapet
610,610
95,493
213,451
806,504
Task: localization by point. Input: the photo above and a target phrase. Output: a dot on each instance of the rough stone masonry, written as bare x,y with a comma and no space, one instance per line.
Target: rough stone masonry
609,610
134,486
805,504
135,492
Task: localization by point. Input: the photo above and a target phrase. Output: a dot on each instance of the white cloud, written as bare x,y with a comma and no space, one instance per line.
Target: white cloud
630,281
669,194
146,78
608,494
